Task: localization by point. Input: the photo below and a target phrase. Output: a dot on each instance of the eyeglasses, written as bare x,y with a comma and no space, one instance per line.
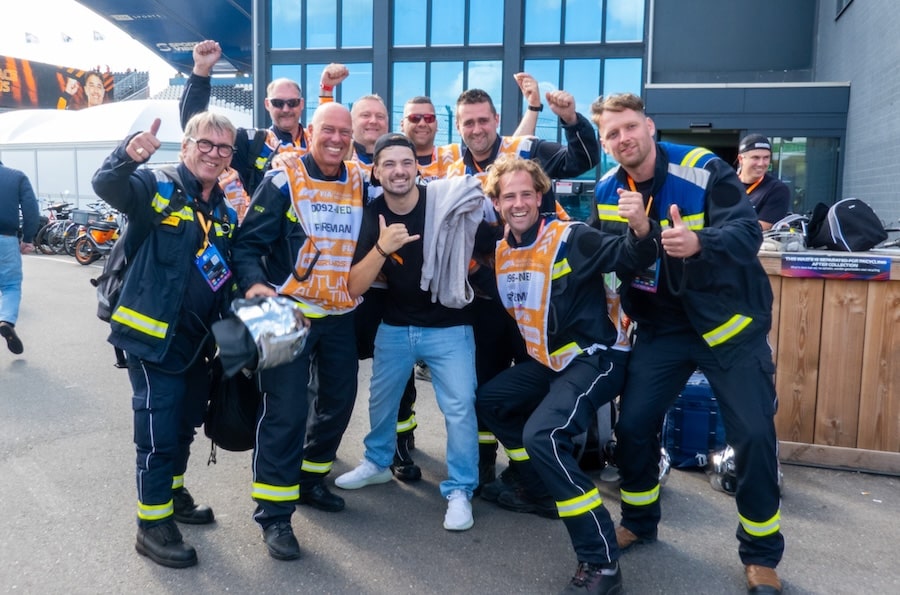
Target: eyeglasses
206,146
280,103
416,118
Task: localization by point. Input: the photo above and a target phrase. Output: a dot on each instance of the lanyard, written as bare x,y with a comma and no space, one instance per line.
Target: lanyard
753,186
633,188
205,226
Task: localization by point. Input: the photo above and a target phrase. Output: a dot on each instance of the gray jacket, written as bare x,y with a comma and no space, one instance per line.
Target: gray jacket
452,213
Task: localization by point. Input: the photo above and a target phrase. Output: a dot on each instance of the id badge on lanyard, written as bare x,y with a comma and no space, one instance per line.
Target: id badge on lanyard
209,260
648,279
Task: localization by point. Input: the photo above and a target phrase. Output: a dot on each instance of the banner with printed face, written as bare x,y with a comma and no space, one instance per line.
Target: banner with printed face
27,84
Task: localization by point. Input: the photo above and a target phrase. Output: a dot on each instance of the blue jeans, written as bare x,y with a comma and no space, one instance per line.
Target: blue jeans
10,278
450,354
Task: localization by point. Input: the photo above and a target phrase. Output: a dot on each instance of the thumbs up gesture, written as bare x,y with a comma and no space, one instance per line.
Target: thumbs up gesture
678,241
144,144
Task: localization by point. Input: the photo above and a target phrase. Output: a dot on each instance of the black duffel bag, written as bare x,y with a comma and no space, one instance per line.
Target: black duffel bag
849,225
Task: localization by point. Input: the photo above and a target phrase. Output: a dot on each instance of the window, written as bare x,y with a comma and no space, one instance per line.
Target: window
580,27
356,24
808,166
311,90
542,21
320,28
286,24
622,75
582,21
357,84
321,25
581,78
410,23
624,20
409,81
485,22
445,85
448,22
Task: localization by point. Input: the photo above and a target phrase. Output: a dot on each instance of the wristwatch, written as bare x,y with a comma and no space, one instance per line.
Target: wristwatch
536,108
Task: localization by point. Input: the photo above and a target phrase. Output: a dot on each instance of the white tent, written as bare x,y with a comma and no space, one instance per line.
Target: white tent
60,150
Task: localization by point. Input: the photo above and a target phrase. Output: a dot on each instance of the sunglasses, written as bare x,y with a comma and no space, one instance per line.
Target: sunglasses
280,103
416,118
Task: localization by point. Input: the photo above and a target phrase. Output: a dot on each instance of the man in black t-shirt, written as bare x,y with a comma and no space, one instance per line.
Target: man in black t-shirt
770,197
393,242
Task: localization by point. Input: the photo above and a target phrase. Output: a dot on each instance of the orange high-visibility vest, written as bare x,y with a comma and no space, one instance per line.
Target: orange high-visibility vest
330,213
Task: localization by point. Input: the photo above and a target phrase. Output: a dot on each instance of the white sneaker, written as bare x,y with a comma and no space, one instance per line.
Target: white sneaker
368,473
459,512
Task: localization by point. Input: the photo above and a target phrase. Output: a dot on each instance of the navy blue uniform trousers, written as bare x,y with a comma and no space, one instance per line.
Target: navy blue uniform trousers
282,426
168,407
530,405
659,367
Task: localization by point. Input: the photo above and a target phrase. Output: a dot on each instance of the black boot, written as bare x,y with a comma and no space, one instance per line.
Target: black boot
530,494
163,544
317,495
188,512
508,480
280,541
487,465
595,579
403,466
519,500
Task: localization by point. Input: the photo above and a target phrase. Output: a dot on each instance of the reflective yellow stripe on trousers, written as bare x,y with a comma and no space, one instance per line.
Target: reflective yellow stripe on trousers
155,512
517,454
314,467
640,498
407,424
580,504
264,491
770,527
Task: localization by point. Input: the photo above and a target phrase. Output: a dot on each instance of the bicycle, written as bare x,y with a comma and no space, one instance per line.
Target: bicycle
48,240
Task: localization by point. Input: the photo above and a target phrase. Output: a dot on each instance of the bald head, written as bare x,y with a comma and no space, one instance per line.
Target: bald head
329,110
331,132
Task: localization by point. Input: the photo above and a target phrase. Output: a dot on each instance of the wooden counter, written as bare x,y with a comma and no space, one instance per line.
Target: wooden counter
836,345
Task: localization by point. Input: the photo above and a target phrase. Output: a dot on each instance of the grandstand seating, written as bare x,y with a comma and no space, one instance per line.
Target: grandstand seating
131,85
237,96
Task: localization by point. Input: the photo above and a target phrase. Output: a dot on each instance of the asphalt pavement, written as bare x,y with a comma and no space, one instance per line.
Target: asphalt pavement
68,496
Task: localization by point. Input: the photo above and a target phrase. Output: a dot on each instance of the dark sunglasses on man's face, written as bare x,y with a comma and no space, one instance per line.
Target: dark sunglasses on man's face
416,118
280,103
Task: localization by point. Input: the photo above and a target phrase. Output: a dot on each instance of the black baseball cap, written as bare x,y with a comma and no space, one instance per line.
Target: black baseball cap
392,139
754,141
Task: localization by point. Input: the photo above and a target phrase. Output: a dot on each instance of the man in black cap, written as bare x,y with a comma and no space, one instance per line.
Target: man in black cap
398,239
770,198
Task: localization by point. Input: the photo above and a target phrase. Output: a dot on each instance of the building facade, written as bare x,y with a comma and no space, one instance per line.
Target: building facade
814,75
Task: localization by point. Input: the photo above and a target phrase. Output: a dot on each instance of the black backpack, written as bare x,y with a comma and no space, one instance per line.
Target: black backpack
849,225
231,414
109,282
